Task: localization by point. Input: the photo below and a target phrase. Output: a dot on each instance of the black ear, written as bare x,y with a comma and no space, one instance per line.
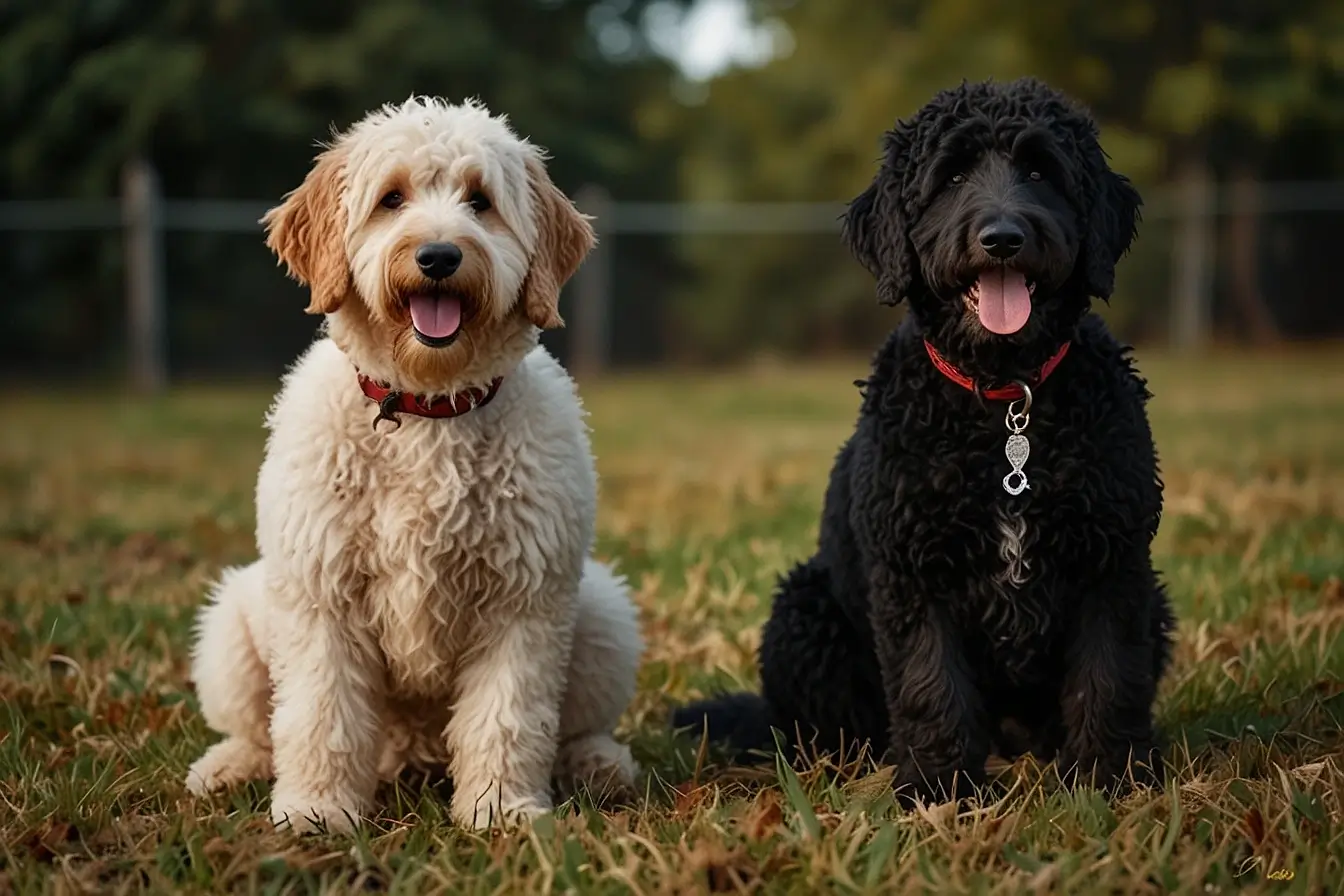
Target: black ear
1111,229
876,225
861,225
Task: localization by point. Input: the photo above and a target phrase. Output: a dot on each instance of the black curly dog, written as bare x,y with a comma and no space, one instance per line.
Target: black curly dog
943,617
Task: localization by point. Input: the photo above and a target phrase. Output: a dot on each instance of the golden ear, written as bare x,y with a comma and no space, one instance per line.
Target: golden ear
306,232
564,239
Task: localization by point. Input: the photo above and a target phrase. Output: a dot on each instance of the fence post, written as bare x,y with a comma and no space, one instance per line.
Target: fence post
1244,223
142,218
1192,281
592,287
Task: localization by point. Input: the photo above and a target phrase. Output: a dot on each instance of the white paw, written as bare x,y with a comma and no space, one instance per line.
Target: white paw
599,765
312,815
485,813
227,764
202,779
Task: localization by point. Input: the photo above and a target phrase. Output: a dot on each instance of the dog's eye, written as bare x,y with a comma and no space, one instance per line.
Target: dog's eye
393,200
958,178
480,202
1035,175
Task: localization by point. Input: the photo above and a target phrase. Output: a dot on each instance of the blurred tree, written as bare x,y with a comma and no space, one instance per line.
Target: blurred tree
1215,85
1188,93
228,97
211,87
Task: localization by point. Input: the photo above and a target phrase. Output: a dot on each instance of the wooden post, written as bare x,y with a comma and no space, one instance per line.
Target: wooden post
1244,223
592,288
1192,281
146,333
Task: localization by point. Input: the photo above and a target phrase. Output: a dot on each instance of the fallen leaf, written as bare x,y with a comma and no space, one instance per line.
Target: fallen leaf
1254,823
872,786
1333,589
688,799
764,816
1309,772
1299,581
940,816
48,842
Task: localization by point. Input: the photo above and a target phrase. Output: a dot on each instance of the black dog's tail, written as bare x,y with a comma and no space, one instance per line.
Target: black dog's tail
739,722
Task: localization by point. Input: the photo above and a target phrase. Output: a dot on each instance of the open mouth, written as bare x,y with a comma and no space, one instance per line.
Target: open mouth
1001,298
436,317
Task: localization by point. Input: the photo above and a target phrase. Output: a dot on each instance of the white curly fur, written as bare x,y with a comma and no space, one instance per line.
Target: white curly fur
424,594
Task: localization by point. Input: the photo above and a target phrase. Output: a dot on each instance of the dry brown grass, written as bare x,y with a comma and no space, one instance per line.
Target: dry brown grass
116,513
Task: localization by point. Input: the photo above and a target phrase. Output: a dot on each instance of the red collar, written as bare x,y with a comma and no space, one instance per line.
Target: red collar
390,402
1010,392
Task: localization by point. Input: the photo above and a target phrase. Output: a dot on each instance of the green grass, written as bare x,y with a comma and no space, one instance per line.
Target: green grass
116,513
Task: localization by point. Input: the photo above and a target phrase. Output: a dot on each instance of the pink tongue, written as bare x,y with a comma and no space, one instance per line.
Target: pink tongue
437,317
1005,303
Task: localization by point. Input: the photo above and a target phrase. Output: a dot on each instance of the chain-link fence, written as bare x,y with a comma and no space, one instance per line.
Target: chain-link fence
161,289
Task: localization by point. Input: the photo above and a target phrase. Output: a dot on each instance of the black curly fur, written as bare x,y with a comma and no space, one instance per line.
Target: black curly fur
905,630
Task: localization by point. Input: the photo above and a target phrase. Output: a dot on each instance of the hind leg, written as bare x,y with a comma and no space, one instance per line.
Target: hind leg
819,673
601,683
232,683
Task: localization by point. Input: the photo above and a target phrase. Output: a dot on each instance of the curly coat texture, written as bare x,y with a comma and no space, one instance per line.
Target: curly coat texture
942,618
424,593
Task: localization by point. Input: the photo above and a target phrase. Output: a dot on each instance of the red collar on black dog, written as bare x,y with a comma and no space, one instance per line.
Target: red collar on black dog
1010,392
390,402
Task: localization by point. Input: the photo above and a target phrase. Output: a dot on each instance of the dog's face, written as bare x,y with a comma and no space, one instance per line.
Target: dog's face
996,215
434,241
998,227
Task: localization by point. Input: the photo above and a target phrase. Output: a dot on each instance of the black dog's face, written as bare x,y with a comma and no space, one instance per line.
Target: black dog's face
995,214
998,231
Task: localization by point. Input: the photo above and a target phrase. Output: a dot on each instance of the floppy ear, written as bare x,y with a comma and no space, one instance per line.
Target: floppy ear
876,227
306,232
859,227
564,239
1111,229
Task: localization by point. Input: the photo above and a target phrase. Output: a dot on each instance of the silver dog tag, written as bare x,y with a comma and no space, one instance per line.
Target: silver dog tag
1017,449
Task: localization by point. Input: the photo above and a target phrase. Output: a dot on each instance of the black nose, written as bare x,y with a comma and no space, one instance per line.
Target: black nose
1001,239
438,260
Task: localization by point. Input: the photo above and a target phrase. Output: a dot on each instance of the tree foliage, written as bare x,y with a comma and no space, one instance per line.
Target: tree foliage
227,98
1223,83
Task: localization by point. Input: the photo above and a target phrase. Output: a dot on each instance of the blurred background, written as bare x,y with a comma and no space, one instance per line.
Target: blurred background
716,140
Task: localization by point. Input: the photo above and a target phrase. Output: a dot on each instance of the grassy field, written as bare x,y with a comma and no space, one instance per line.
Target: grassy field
115,514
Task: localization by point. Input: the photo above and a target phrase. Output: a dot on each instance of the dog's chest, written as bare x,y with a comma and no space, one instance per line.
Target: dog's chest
951,483
1013,538
1005,595
455,549
966,536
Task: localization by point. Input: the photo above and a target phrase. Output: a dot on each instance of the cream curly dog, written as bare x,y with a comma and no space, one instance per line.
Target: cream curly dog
425,510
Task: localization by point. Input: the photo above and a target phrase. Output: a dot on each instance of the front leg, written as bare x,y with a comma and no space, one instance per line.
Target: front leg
505,726
939,731
325,723
1110,684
